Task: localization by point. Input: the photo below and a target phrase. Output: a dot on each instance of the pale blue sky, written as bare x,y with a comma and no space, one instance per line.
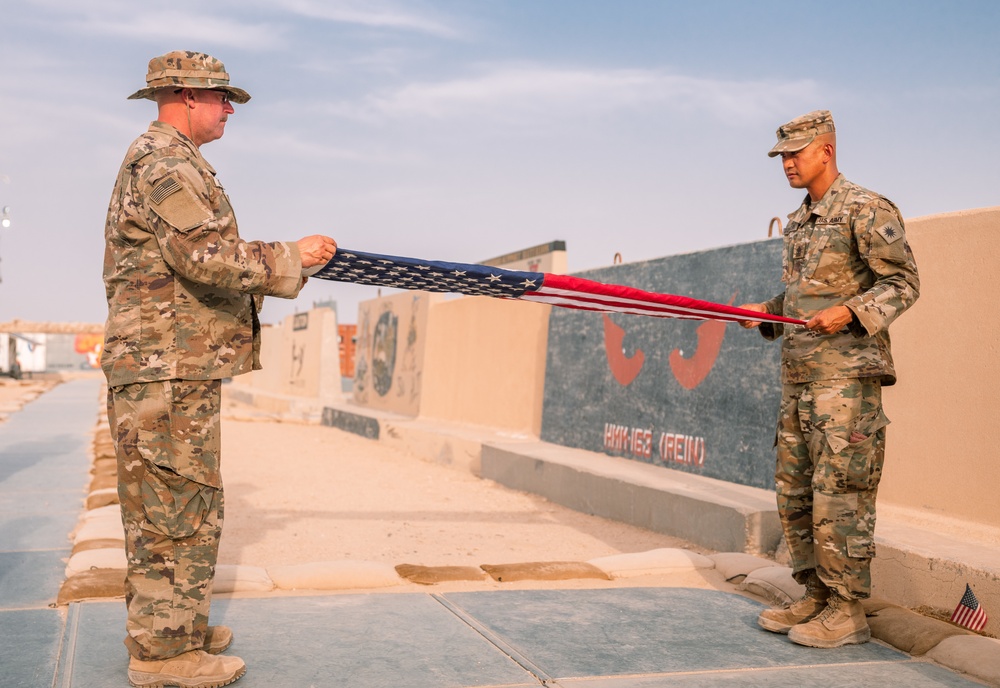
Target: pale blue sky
462,130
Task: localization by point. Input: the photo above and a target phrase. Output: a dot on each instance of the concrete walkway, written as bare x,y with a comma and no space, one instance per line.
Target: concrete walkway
628,637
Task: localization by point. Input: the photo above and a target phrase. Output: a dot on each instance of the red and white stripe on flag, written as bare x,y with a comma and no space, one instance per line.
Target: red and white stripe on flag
969,613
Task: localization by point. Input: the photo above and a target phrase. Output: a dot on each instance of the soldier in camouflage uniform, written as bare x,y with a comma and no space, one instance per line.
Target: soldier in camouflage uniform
183,293
849,272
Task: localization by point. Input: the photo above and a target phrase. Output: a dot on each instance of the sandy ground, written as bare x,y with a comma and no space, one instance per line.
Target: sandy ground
299,493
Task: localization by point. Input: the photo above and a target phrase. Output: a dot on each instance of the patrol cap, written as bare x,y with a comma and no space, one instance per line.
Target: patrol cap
800,132
186,69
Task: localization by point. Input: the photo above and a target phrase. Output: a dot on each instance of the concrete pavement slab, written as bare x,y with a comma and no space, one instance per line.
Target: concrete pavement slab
30,579
367,641
33,526
29,647
581,633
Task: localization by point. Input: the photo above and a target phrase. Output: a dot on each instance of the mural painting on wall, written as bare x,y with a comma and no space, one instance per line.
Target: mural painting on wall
298,361
408,380
688,371
90,345
688,395
363,351
384,352
389,351
300,323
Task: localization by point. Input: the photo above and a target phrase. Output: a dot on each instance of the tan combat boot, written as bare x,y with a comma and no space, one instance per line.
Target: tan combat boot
805,608
217,639
195,669
841,623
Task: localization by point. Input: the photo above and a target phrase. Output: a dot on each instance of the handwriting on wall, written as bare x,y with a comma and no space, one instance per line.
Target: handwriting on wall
669,447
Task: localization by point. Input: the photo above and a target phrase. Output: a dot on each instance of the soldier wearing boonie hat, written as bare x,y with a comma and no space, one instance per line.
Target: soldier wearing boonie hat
187,69
849,273
183,293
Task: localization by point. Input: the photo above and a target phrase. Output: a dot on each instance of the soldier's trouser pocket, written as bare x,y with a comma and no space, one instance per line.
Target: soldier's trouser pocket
848,435
178,440
174,506
851,455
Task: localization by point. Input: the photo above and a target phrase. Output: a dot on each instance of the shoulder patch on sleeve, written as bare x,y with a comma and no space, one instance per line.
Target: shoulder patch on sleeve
890,232
177,204
164,188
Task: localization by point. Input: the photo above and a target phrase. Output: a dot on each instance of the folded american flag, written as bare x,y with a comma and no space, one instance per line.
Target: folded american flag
558,290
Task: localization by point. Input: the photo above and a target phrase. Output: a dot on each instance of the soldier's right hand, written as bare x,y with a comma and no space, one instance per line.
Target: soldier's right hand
757,307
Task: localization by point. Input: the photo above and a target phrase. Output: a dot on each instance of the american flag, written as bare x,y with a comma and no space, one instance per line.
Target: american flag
969,613
543,287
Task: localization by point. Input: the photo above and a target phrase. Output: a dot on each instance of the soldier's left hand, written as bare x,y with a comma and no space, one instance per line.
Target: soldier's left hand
750,324
830,320
316,250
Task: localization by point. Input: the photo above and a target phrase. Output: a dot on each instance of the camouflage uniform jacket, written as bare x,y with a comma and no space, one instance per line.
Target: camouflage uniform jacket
849,248
180,282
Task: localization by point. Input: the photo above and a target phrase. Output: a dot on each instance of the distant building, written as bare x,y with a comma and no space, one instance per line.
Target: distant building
347,336
36,347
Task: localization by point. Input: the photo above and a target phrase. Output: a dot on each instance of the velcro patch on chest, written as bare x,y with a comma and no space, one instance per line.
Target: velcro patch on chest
889,232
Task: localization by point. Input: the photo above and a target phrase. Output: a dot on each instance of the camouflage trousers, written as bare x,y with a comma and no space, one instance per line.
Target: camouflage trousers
167,442
831,446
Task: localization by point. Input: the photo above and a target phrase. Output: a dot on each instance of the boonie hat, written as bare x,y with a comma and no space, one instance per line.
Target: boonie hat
800,132
186,69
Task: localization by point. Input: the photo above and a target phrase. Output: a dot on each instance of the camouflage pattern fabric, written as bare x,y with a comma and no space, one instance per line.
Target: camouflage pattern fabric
179,279
850,249
167,441
831,447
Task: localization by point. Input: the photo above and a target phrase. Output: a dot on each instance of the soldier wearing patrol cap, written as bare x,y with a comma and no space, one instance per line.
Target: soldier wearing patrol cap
183,293
849,272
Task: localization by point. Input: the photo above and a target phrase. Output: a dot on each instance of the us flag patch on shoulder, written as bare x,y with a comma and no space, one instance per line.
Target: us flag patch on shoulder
163,189
889,232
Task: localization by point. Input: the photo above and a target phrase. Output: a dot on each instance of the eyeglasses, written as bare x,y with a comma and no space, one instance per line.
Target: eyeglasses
224,96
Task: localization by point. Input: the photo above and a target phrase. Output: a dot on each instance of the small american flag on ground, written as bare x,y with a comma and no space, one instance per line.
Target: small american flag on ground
969,613
543,287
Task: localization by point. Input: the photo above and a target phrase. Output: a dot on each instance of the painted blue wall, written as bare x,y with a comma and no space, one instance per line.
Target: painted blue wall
712,415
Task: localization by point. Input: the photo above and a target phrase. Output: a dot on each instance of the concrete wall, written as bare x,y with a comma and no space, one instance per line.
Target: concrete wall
942,447
471,360
300,361
485,363
549,257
